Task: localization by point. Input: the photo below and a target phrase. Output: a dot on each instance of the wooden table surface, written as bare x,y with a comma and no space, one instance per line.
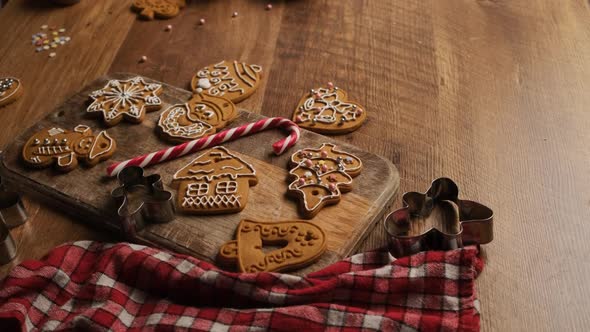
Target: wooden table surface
490,93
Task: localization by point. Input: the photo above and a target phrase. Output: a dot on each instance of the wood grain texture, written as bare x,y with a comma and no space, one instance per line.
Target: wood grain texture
85,192
491,93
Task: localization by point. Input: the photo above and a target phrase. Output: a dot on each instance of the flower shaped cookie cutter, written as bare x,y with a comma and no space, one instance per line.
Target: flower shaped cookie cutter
142,200
437,220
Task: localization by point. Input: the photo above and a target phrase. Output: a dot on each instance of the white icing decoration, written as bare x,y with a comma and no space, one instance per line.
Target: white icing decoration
222,82
124,97
342,170
331,107
169,123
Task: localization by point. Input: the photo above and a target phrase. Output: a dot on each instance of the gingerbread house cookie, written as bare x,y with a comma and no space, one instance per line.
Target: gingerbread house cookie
328,111
10,90
202,115
320,176
305,243
215,182
129,99
64,148
235,81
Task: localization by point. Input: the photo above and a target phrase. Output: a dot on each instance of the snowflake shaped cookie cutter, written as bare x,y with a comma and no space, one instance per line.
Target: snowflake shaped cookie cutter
437,220
125,99
142,200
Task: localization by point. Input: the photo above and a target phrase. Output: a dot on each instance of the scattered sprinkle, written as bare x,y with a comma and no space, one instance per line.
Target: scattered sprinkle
168,28
330,85
143,59
268,6
52,54
45,41
202,21
235,14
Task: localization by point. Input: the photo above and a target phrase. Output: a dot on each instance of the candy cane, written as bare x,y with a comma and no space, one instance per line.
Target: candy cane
221,137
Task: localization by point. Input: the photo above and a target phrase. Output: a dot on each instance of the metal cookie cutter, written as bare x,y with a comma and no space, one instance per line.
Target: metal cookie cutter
437,220
7,245
142,200
12,209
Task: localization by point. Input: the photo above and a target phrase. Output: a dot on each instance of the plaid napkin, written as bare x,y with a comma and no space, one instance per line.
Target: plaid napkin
97,287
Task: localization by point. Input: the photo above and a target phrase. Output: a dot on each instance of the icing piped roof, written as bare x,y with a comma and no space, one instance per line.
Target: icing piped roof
215,163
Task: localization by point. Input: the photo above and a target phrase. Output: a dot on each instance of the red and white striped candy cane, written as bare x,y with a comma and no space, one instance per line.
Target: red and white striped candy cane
207,141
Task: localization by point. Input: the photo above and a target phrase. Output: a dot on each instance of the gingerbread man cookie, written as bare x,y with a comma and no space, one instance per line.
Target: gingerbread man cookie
320,175
65,148
306,242
328,111
10,90
128,99
233,80
164,9
215,182
202,115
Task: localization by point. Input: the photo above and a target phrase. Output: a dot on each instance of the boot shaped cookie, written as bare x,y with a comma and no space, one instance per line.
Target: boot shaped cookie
320,175
215,182
303,242
202,115
65,148
328,111
150,9
233,80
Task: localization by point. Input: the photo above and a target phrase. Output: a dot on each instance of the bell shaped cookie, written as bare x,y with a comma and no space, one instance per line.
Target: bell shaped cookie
233,80
303,243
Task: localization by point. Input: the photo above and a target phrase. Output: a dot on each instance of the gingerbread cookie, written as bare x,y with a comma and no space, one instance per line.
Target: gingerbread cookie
164,9
10,90
65,148
202,115
306,242
128,99
215,182
320,175
328,111
233,80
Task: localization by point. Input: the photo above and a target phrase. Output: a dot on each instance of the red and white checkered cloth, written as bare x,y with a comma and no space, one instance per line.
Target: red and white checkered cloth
97,287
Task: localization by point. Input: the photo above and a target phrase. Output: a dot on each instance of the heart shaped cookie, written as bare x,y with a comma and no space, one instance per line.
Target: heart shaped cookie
202,115
235,81
304,243
328,111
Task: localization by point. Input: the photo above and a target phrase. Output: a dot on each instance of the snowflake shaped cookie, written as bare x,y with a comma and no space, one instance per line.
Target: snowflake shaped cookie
128,99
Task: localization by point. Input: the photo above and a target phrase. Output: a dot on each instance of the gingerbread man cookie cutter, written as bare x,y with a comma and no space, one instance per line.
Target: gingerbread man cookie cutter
304,242
437,220
142,200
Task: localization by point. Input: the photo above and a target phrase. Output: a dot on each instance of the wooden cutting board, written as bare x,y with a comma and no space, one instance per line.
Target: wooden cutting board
85,192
